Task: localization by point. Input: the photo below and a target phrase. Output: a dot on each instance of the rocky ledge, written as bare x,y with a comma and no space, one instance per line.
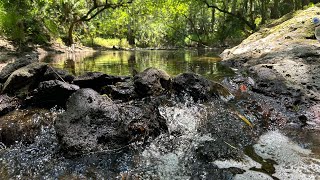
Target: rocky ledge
284,59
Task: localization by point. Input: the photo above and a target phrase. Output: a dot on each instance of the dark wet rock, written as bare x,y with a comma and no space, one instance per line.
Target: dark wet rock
18,63
57,74
152,81
23,125
8,104
25,79
195,85
51,93
199,87
97,80
121,90
229,136
303,119
209,171
94,123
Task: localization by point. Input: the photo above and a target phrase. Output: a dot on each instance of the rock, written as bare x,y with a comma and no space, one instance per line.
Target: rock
20,62
8,104
23,80
152,81
53,92
199,87
282,66
57,74
97,80
94,123
121,90
229,135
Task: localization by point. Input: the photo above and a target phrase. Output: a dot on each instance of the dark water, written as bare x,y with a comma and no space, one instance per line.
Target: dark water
174,62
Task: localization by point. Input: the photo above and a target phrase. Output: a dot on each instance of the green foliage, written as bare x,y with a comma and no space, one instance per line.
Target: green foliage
108,43
144,23
12,26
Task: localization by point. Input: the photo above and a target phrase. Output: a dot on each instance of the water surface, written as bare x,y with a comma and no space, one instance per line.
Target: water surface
124,62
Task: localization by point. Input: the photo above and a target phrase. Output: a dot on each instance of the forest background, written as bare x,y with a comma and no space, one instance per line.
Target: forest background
139,23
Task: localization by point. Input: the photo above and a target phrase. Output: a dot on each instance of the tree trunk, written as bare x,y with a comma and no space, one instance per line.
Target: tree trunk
263,11
275,13
130,36
70,36
305,2
251,12
297,5
213,18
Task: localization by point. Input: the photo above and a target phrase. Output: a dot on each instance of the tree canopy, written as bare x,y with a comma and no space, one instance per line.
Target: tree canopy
142,23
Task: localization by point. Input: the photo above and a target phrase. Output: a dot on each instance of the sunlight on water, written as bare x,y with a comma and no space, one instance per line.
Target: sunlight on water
123,62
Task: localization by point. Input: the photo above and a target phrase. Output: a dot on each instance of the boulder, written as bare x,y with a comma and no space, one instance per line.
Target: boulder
97,80
18,63
25,79
57,74
199,87
152,81
121,90
95,123
8,104
53,92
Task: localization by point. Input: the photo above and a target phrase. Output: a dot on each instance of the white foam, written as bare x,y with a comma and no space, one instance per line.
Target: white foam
294,162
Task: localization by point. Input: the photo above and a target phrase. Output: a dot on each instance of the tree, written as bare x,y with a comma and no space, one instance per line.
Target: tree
97,7
233,13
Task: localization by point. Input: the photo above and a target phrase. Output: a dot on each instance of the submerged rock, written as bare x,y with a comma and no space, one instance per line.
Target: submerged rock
95,123
51,93
8,104
19,63
152,81
23,125
23,80
97,80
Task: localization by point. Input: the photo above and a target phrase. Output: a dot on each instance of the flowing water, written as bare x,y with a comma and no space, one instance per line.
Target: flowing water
198,132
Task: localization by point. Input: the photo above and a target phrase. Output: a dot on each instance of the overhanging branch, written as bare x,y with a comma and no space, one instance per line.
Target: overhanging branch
241,18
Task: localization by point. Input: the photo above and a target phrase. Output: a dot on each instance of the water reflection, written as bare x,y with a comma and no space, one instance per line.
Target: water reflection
125,62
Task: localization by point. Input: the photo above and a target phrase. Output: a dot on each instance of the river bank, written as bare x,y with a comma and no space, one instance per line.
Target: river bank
283,58
264,125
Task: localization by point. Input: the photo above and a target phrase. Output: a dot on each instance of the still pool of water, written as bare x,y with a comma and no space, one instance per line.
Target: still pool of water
174,62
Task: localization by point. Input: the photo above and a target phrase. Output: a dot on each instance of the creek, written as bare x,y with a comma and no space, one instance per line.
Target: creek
201,143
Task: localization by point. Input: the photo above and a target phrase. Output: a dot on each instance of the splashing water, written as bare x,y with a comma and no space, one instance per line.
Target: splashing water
179,154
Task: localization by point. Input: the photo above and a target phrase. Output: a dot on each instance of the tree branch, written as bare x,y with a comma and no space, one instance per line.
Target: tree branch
241,18
90,14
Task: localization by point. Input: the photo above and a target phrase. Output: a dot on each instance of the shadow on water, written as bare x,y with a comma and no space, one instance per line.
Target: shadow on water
126,62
